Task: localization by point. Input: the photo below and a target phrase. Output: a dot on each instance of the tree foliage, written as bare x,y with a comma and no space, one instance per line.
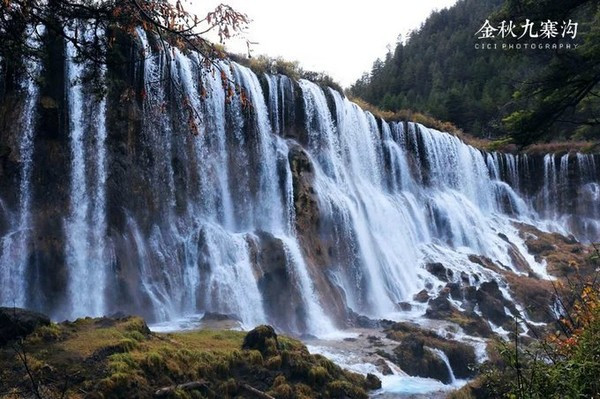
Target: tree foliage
166,19
438,71
530,95
563,99
564,364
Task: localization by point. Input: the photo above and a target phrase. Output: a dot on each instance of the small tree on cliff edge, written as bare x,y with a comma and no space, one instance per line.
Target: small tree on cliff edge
168,20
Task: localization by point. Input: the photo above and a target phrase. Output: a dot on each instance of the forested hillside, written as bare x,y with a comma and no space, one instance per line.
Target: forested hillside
491,93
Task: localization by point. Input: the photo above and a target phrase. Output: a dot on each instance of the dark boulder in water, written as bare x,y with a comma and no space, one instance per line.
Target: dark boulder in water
383,367
422,296
455,291
16,323
362,321
492,303
439,308
414,357
439,270
416,360
373,382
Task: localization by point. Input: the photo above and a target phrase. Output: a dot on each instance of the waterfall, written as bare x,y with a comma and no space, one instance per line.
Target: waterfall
86,223
216,189
14,245
444,358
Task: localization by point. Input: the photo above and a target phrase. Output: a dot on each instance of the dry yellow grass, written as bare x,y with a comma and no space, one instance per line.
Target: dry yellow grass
503,144
428,121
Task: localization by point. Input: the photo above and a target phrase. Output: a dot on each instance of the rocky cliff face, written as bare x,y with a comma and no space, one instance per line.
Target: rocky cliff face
275,200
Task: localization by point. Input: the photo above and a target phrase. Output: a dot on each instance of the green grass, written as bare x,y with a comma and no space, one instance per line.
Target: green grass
123,359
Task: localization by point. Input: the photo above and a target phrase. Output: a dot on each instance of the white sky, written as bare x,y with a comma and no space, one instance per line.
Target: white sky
342,38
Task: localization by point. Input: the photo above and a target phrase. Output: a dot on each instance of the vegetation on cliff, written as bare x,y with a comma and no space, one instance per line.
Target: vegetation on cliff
561,99
563,362
437,71
529,95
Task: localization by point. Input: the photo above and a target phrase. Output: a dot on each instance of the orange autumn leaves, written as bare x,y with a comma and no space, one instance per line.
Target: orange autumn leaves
583,318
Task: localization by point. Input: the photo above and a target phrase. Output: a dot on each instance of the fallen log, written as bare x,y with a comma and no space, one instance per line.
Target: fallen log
256,392
188,386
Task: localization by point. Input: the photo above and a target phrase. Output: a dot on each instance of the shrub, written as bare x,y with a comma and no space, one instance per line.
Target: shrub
127,345
154,362
254,357
273,363
279,380
318,375
221,368
48,333
283,391
343,389
135,335
563,364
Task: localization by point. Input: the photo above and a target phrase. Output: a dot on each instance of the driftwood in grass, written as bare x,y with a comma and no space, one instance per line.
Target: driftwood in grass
256,392
188,386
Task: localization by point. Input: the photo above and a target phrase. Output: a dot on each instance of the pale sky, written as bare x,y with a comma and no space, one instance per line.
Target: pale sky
342,38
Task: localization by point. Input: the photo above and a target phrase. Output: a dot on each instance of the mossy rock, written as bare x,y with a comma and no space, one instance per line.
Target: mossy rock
263,339
17,323
412,357
415,359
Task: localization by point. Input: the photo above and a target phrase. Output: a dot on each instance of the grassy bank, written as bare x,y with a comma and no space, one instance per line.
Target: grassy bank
121,358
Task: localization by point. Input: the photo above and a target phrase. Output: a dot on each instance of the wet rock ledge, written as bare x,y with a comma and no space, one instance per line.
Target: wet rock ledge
122,358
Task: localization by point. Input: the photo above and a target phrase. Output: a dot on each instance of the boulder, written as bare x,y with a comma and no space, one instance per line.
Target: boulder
383,367
536,296
474,325
414,341
491,303
422,296
220,321
464,277
461,356
361,321
439,308
214,316
438,270
263,339
538,246
373,382
455,291
412,357
17,323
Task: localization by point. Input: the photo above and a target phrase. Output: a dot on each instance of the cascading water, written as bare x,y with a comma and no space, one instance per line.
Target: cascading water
14,244
85,225
444,359
218,190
